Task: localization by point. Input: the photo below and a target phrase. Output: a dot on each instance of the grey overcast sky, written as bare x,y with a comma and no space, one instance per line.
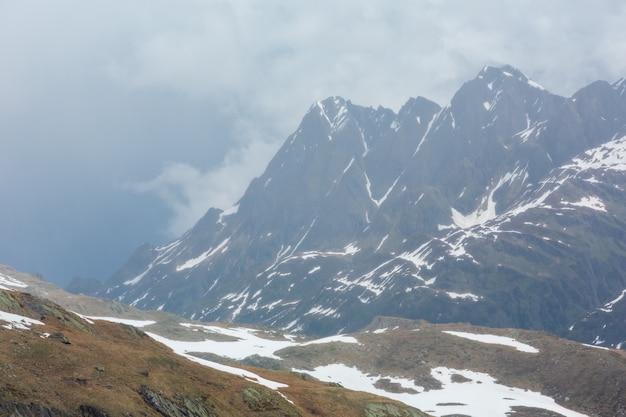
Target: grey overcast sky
122,122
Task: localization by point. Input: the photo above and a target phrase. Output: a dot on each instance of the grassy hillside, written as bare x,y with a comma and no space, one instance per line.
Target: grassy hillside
68,366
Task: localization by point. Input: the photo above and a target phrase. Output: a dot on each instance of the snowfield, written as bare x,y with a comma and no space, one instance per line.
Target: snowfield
480,396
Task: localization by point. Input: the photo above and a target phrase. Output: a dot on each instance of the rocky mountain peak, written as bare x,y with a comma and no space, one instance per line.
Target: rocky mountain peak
496,76
620,86
503,100
467,213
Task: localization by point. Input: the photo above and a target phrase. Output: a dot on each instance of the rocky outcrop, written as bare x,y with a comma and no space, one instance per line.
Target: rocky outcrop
184,407
391,410
266,402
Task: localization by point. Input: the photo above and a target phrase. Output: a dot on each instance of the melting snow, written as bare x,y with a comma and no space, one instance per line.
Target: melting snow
333,339
466,296
224,368
198,260
321,311
533,130
381,243
135,323
418,257
608,307
487,208
351,249
138,277
349,165
11,282
496,340
246,342
430,125
368,186
480,396
611,155
535,84
478,216
15,321
593,203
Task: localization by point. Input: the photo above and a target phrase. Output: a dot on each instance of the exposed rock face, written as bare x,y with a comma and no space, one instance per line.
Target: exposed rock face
267,402
184,407
505,208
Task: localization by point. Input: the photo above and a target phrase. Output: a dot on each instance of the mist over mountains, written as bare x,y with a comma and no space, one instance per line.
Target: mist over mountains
505,208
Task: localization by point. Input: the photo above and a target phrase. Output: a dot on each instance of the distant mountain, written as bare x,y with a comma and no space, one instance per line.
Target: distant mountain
505,208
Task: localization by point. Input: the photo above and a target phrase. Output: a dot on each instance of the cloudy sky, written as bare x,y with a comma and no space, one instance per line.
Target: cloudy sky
123,122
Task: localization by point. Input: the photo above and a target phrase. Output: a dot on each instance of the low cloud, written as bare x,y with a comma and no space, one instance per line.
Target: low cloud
272,55
190,191
268,61
105,91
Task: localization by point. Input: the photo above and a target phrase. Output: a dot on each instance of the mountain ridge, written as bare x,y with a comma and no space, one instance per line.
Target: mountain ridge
454,213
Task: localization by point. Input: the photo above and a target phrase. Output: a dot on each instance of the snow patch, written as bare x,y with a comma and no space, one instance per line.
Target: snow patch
611,156
535,85
495,340
608,307
139,277
179,349
486,210
592,202
351,249
382,241
321,311
10,282
465,296
481,395
135,323
204,256
341,338
314,270
17,322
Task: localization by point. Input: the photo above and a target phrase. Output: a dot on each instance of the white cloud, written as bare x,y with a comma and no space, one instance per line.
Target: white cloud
267,61
83,83
189,192
378,52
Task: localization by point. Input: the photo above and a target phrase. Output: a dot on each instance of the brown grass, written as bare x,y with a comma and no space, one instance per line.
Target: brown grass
106,364
586,379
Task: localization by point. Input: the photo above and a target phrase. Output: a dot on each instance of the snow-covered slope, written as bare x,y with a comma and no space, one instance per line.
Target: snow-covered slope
503,208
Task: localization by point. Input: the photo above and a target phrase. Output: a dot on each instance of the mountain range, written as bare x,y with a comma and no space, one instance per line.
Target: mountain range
504,208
